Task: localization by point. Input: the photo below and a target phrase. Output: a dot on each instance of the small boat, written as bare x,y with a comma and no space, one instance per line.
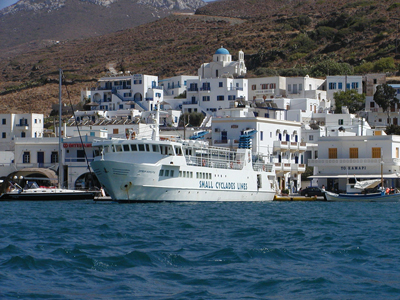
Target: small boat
369,197
379,195
33,192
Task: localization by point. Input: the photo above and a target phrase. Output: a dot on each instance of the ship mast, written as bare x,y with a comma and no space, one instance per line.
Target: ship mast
60,164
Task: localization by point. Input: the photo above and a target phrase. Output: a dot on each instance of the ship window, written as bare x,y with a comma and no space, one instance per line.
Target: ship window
180,173
172,173
105,149
170,150
161,172
133,147
197,174
141,147
126,148
166,173
191,174
156,148
119,148
147,148
178,150
184,174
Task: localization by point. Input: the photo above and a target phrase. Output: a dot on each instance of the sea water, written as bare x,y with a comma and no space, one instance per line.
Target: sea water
264,250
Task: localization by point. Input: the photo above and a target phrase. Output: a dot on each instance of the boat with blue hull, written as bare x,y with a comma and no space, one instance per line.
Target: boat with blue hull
369,197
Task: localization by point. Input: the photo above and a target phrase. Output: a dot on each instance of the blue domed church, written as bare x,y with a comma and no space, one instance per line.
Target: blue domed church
223,66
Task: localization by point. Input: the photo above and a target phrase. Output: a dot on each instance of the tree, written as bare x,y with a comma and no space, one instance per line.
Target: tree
385,97
350,98
392,130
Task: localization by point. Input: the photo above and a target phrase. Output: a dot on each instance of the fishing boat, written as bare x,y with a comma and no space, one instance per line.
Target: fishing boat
33,192
365,194
155,170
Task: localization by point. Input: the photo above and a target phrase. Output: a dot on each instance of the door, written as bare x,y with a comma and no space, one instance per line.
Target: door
40,159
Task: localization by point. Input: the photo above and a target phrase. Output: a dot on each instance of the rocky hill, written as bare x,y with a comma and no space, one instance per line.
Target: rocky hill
278,37
32,24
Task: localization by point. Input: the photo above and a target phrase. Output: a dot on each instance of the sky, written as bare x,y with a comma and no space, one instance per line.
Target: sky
5,3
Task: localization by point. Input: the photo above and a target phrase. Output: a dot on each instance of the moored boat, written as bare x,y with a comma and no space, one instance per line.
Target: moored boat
368,197
144,170
32,192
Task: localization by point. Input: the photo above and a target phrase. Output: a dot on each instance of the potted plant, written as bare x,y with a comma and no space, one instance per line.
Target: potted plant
285,192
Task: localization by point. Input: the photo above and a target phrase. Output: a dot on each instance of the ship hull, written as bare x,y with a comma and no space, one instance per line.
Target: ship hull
129,182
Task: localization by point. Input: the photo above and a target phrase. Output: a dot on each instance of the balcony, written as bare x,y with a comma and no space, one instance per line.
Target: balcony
298,168
350,162
265,92
302,147
286,167
294,146
281,146
278,167
193,90
22,126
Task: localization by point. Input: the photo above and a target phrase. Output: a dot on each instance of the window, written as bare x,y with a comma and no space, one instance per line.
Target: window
161,172
3,135
220,98
115,131
141,147
137,81
158,95
332,85
54,157
253,87
23,134
264,86
3,122
133,147
372,104
80,154
231,97
289,87
220,84
261,135
126,148
121,106
310,137
206,98
332,153
353,153
340,122
354,85
300,87
376,152
272,86
26,158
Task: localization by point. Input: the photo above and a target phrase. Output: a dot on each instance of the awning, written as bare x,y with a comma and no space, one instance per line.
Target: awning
356,176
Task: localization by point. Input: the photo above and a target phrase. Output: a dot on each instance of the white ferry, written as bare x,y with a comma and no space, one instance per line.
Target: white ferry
147,170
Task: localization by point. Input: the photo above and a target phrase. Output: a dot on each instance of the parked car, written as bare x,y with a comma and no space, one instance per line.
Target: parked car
312,191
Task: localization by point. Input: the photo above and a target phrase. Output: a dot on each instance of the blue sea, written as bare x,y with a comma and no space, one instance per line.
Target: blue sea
268,250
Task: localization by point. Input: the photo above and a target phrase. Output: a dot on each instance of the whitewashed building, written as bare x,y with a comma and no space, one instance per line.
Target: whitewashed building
277,141
343,158
124,91
19,125
342,83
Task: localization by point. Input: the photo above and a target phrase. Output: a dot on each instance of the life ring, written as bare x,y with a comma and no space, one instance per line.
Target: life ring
203,162
231,165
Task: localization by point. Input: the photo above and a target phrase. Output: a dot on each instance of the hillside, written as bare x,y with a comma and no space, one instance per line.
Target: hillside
30,24
276,36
